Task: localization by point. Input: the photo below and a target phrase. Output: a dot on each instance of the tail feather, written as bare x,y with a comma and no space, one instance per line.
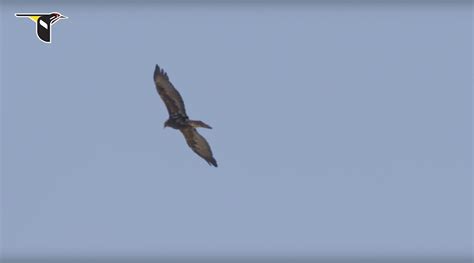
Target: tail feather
198,124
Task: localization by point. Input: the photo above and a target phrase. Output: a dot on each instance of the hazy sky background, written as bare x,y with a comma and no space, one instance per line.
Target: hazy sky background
340,129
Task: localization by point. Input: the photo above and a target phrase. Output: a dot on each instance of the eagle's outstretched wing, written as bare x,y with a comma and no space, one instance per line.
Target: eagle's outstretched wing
168,93
198,144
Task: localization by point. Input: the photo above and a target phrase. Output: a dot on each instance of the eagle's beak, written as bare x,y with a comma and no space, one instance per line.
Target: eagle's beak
63,17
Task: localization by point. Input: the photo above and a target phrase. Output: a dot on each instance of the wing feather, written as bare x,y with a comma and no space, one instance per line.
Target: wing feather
168,93
198,144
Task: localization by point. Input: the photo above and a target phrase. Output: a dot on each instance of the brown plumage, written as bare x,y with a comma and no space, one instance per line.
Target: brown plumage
178,119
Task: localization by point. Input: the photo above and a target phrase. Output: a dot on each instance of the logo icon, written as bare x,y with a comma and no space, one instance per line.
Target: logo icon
44,23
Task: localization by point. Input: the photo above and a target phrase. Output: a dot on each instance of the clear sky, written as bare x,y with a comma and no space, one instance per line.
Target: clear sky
339,128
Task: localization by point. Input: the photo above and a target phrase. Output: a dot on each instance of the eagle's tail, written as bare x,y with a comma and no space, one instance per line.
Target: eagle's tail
198,124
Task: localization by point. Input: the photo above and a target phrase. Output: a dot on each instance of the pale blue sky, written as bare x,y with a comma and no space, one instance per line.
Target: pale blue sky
340,129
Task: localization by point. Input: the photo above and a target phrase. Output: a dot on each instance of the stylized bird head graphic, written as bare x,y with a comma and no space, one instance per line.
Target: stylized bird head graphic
43,23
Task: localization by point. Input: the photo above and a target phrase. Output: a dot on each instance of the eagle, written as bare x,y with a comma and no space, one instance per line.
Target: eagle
179,120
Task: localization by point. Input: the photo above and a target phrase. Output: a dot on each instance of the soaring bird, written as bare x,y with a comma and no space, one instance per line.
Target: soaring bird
178,119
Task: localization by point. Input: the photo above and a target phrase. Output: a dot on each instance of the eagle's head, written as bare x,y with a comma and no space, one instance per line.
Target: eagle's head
166,124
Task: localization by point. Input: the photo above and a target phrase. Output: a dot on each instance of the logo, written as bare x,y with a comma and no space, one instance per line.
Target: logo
44,23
